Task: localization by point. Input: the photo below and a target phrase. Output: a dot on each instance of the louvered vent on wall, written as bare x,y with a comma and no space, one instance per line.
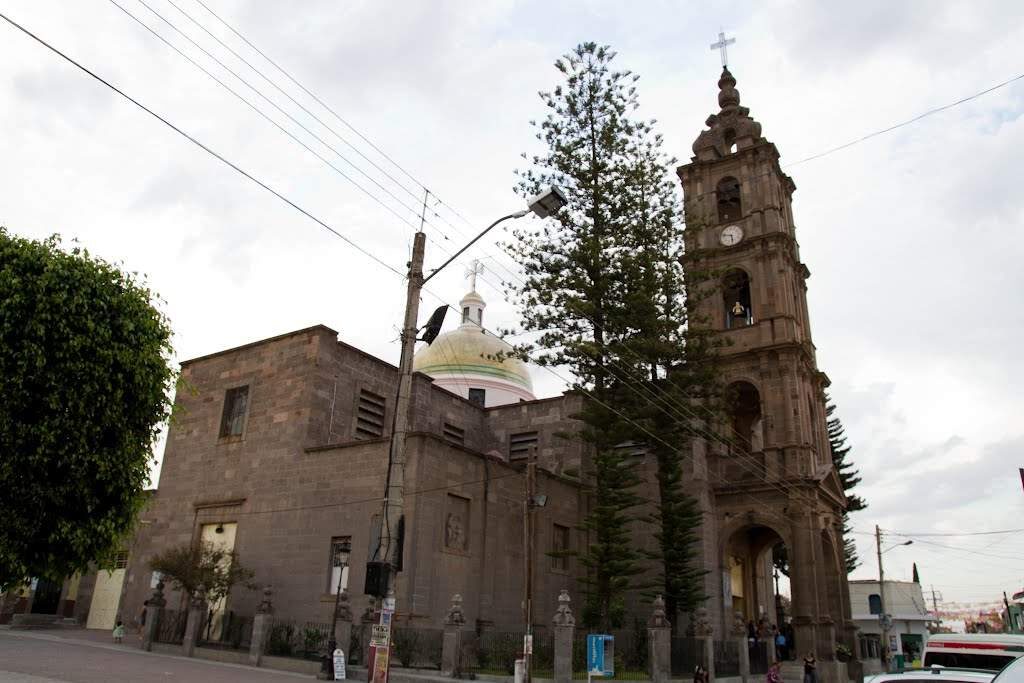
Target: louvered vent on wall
370,414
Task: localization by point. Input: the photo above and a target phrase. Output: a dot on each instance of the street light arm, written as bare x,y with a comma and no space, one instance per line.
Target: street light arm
517,214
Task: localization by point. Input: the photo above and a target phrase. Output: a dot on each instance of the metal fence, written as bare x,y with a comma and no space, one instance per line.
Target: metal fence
225,630
418,648
686,654
302,640
171,626
760,653
727,658
493,652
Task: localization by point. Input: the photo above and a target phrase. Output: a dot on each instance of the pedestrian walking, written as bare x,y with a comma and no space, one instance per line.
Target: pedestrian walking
810,668
774,674
700,674
119,632
780,645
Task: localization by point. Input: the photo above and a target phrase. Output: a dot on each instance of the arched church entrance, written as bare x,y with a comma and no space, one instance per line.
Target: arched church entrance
753,591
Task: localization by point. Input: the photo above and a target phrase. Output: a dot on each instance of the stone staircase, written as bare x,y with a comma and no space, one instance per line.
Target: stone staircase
792,672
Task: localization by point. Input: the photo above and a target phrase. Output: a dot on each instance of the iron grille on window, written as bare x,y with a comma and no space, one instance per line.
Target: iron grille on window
121,559
370,415
340,546
233,419
478,396
519,445
454,434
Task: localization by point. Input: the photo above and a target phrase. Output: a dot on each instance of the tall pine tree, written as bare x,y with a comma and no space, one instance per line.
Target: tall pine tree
604,288
848,476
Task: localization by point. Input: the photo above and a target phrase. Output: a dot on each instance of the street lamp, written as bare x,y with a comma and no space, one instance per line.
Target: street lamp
542,205
884,621
341,550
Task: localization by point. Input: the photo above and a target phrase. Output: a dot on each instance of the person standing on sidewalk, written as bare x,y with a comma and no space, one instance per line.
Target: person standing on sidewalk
774,674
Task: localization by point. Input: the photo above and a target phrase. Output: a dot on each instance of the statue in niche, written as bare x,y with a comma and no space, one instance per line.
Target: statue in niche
454,532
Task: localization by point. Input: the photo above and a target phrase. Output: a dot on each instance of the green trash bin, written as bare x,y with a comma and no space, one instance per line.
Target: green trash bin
899,661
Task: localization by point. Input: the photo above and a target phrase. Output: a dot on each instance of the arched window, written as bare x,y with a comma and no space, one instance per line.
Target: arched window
729,206
875,603
736,299
744,408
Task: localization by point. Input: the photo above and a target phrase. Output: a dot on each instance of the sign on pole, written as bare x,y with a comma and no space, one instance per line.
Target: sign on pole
380,666
380,635
339,665
600,655
528,644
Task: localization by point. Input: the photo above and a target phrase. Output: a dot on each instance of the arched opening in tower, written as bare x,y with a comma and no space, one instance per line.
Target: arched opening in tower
745,425
736,299
730,208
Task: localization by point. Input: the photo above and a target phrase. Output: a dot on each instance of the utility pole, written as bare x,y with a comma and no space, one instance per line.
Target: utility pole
1006,621
528,541
935,608
394,499
884,621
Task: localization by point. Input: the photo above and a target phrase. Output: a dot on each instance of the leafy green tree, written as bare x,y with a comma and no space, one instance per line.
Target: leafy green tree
202,569
85,383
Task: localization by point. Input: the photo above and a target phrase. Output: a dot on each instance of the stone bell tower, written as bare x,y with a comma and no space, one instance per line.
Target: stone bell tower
768,476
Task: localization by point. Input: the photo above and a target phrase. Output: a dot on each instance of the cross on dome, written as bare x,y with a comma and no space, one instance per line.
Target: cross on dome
475,268
722,45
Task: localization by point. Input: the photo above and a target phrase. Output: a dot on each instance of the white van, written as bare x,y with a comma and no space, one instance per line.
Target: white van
990,651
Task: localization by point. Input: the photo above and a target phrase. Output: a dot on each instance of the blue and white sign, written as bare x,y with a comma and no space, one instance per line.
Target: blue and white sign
600,655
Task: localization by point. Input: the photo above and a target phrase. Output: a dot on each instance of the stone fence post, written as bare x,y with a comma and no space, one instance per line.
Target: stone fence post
261,628
565,628
738,632
368,621
451,646
154,613
705,633
659,643
196,610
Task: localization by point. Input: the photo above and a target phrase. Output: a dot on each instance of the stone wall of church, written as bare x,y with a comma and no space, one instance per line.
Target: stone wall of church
297,477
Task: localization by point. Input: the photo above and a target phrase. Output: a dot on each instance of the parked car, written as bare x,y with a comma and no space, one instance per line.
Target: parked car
991,651
936,674
1013,673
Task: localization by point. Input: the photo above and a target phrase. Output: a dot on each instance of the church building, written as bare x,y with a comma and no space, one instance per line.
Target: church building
279,448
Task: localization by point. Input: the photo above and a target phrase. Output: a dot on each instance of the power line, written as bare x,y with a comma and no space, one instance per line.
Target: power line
195,141
966,533
936,110
263,114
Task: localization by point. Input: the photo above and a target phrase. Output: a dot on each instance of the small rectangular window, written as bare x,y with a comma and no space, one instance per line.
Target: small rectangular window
341,548
233,419
454,434
478,396
519,445
121,559
560,544
370,413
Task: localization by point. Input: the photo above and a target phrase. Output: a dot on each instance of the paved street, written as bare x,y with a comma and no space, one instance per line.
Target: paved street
43,657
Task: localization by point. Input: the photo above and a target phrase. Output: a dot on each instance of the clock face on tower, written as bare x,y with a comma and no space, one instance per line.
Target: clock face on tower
731,235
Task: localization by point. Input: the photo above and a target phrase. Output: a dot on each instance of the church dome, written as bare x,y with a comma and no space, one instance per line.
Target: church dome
462,362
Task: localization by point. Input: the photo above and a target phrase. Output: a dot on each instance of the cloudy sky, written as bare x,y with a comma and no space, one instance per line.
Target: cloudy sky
913,238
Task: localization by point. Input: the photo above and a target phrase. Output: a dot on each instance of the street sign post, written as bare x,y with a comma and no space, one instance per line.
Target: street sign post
600,655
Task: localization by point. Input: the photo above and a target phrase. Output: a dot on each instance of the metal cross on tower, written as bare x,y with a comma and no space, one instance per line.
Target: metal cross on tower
722,45
475,268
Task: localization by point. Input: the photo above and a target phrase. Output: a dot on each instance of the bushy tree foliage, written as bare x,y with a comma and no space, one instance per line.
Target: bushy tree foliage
202,570
84,388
